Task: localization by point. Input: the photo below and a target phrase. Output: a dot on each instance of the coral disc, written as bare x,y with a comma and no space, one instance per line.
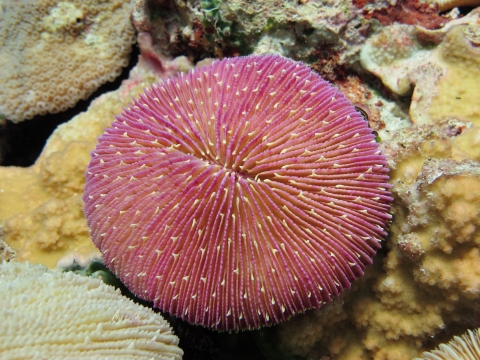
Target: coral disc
238,194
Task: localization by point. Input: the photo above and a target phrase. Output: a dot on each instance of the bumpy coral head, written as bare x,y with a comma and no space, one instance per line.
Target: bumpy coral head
238,194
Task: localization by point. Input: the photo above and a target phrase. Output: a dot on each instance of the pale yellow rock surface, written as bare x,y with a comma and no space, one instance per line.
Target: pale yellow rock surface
41,211
458,90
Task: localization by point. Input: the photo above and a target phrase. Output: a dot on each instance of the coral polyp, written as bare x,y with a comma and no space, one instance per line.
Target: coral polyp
239,194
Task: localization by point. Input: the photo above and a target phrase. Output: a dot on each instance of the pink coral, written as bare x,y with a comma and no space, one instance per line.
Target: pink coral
238,194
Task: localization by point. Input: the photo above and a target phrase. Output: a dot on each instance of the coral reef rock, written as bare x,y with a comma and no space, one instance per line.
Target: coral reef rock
442,66
55,53
236,27
54,315
40,206
423,287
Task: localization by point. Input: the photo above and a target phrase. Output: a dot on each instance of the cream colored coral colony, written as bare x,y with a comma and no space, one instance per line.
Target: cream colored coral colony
55,53
54,315
465,347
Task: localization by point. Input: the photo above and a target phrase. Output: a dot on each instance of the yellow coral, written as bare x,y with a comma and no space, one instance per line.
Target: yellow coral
458,89
54,315
467,146
54,53
50,232
41,207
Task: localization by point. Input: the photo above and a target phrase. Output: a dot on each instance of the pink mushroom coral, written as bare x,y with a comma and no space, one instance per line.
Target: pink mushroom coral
238,194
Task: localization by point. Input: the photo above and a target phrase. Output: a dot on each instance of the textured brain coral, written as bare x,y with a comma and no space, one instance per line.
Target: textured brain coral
238,194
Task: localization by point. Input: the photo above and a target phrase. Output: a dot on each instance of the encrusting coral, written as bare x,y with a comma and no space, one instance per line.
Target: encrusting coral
442,66
54,53
457,91
54,315
40,207
292,172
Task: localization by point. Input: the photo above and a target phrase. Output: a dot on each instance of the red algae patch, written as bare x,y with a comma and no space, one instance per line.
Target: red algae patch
239,194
